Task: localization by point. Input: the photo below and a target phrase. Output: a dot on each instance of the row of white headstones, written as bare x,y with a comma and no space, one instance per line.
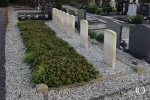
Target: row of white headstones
66,22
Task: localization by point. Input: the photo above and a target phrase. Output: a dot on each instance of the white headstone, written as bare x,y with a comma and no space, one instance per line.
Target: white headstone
63,20
72,24
59,18
67,23
132,10
53,15
110,38
84,33
113,3
92,2
137,1
131,1
56,17
58,22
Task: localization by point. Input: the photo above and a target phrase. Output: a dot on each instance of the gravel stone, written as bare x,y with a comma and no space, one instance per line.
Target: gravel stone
18,84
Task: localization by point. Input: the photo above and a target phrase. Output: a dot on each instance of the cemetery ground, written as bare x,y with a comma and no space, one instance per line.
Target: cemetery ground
3,23
33,37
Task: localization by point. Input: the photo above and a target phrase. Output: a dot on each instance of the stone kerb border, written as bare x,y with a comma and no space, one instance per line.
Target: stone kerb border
110,38
84,33
64,21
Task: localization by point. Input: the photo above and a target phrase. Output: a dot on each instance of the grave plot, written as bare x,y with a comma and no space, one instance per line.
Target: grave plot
39,13
50,57
31,15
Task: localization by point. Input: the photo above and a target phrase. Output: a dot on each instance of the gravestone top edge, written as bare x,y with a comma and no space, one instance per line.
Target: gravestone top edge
85,21
111,31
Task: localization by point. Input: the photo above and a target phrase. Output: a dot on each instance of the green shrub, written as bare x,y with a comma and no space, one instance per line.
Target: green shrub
91,9
107,9
99,10
114,9
4,3
58,6
92,34
52,60
100,38
138,19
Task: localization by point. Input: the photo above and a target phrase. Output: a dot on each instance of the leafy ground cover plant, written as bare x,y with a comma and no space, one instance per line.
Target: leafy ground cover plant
52,60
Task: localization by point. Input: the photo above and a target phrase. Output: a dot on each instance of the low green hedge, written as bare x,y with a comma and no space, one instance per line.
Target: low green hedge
52,60
107,9
97,36
97,10
91,9
100,38
138,19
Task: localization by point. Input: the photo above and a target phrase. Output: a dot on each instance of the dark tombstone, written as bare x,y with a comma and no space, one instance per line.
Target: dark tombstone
125,6
120,7
98,2
139,41
47,9
81,16
117,27
144,10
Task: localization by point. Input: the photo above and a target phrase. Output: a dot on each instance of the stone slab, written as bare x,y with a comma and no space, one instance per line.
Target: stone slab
117,27
139,42
81,16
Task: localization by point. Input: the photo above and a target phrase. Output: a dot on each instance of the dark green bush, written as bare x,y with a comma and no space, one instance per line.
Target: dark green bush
92,34
100,38
91,9
52,60
138,19
99,10
4,3
107,9
58,6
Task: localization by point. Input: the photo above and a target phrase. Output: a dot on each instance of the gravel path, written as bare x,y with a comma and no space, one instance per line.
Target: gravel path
3,25
18,85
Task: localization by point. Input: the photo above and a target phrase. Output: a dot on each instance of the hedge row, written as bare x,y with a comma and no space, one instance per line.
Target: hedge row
52,60
97,10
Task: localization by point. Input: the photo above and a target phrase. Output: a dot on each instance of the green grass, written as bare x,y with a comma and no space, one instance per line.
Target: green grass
52,60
